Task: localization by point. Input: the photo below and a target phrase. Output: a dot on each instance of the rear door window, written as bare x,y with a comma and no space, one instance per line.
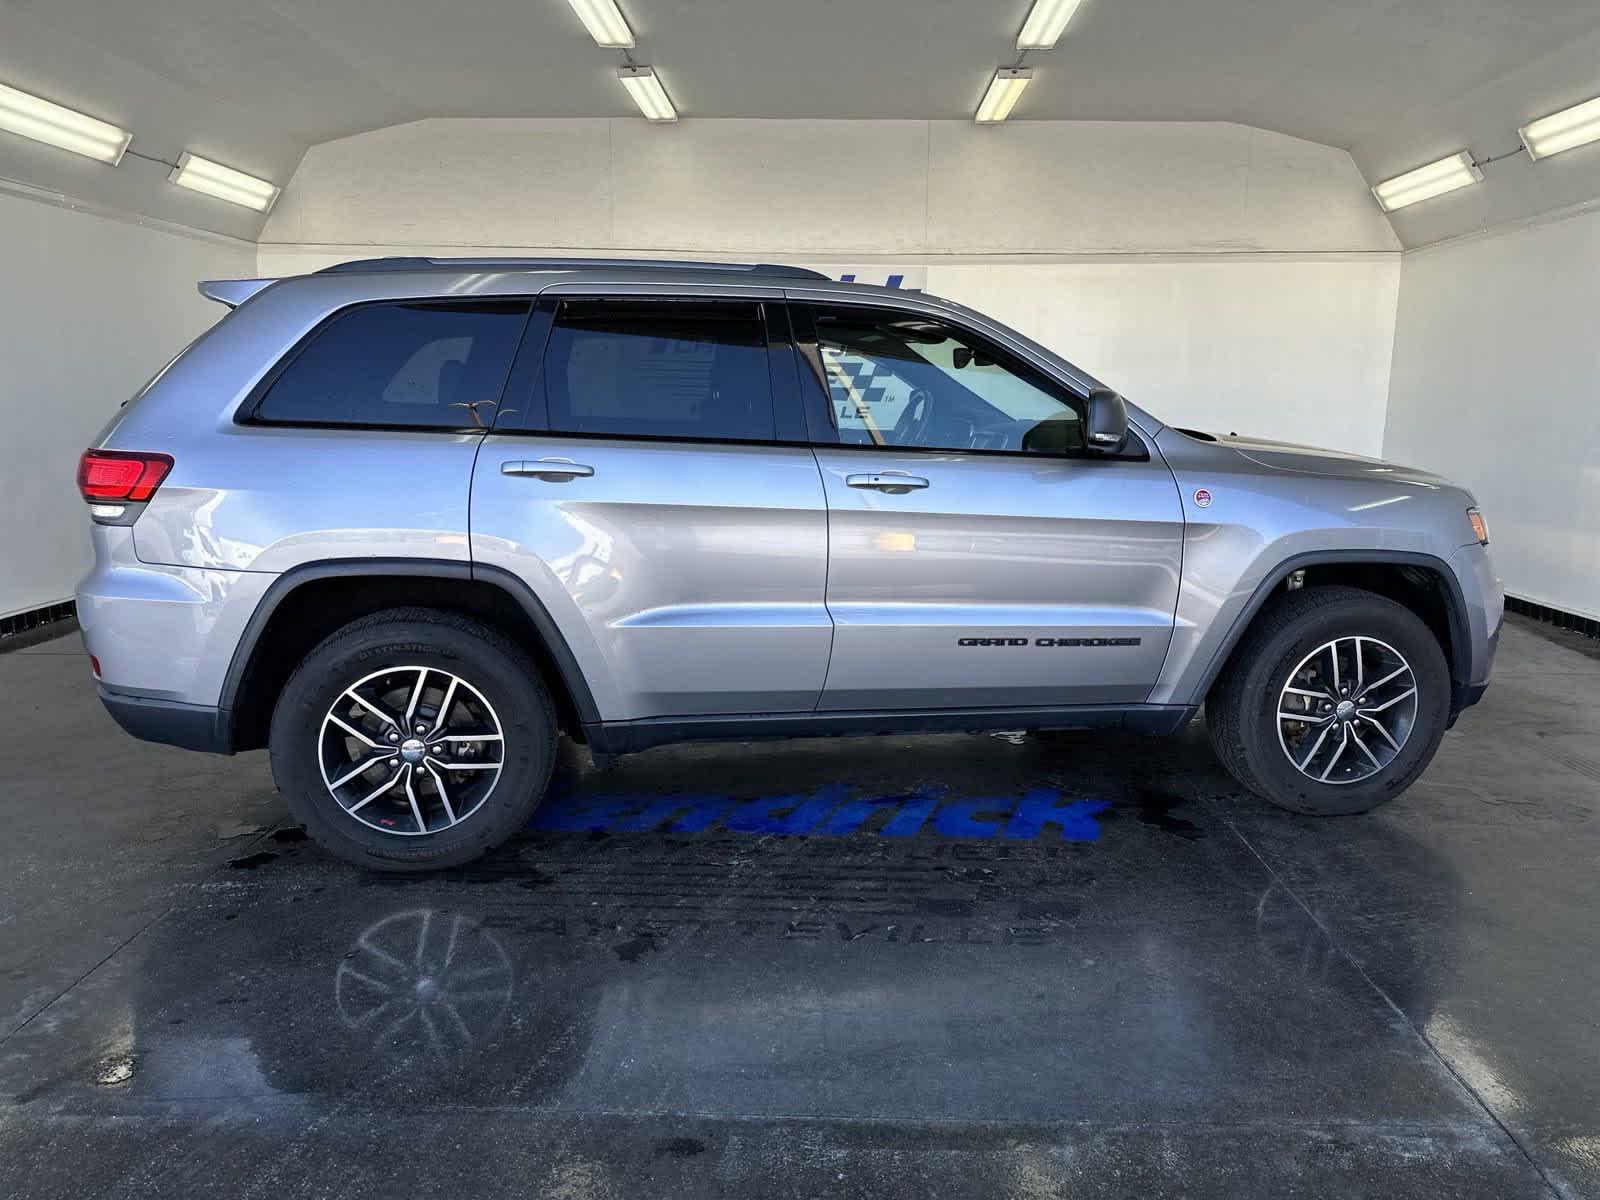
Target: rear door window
666,369
417,364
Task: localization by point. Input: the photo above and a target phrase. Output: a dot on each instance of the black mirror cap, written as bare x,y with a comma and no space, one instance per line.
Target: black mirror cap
1106,422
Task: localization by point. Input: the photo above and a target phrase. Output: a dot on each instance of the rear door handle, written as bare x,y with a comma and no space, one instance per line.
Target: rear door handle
552,470
894,482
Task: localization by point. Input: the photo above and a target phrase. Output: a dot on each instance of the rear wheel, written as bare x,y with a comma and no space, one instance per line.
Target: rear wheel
413,739
1335,702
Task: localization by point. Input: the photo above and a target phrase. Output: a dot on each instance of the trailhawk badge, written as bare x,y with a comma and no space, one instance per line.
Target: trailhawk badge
1202,498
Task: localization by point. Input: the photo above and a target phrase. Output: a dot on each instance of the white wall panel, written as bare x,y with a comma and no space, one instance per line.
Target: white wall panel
90,307
831,187
735,186
1119,187
489,182
1497,385
1290,348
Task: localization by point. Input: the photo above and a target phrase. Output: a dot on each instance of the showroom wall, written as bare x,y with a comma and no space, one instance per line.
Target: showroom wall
91,305
1496,383
1222,276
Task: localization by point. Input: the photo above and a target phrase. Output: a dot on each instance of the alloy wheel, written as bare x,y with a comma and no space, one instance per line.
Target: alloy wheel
410,750
1347,709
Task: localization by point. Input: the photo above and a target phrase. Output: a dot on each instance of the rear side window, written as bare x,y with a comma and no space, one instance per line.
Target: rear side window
413,364
675,369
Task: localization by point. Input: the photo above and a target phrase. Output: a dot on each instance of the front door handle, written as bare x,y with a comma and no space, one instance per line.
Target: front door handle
894,482
551,470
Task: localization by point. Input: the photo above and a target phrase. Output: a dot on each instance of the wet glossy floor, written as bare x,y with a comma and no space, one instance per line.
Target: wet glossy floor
1076,965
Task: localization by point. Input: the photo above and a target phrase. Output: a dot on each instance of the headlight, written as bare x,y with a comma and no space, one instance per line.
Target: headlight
1479,529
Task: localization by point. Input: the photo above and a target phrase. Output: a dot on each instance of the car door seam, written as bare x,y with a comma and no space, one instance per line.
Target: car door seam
827,572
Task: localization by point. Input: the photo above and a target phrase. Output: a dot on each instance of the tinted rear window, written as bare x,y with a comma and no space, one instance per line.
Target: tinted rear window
688,369
421,364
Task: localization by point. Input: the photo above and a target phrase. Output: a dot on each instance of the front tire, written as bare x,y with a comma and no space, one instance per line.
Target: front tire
413,739
1334,703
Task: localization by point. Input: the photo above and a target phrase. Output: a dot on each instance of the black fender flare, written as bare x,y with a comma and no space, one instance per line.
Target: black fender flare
1455,608
566,663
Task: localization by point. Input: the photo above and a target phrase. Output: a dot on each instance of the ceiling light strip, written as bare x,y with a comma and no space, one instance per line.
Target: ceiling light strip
1426,182
1005,89
224,183
605,23
1045,24
1575,126
44,121
644,86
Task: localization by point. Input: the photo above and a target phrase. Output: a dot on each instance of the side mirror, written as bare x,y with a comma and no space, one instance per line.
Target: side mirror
1105,423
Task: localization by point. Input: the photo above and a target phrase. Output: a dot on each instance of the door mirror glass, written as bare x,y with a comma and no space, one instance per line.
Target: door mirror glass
1106,421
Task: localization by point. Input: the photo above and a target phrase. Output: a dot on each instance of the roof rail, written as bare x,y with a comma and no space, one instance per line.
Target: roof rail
372,265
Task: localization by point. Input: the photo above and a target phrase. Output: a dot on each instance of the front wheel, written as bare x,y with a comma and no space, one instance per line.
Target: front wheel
413,739
1335,702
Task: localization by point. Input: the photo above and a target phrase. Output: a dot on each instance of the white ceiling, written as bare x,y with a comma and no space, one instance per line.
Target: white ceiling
254,82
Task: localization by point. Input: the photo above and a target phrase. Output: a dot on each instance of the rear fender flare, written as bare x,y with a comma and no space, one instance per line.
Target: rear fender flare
566,664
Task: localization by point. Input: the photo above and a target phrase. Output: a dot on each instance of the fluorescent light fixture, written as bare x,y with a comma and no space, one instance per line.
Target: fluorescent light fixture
202,175
645,88
1045,22
1425,183
605,23
62,127
1575,126
1004,91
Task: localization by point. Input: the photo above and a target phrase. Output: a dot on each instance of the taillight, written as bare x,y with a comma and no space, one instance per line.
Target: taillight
121,474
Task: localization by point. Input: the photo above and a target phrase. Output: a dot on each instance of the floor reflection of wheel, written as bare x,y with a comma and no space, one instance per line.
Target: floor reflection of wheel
424,983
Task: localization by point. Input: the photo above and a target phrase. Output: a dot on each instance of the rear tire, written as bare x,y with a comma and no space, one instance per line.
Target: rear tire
1322,650
470,760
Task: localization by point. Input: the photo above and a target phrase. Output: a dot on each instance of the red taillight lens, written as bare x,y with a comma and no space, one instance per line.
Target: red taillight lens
94,665
121,474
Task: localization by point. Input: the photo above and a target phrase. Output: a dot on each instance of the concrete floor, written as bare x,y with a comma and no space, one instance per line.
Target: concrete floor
1050,965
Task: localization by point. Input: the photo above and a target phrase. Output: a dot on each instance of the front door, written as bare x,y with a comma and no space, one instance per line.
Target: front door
641,492
978,556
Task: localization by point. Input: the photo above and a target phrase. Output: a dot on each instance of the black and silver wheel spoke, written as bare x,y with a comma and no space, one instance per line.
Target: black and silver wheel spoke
1347,709
410,750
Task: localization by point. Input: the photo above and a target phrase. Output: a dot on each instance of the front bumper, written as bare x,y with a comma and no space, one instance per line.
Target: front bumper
1485,604
170,722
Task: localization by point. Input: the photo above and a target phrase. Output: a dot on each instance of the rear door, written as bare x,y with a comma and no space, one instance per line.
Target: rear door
639,481
978,557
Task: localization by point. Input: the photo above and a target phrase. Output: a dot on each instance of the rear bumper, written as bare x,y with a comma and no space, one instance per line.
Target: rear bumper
191,726
163,632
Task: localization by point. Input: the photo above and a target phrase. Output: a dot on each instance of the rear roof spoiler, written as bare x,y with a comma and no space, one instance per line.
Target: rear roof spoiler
232,292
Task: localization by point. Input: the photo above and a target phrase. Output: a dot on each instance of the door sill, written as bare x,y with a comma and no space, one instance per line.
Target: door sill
626,737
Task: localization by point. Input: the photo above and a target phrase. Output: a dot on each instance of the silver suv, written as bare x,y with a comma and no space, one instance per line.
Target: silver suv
403,521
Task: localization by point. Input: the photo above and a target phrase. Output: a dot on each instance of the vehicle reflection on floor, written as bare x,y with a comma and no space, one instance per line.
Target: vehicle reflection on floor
866,973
